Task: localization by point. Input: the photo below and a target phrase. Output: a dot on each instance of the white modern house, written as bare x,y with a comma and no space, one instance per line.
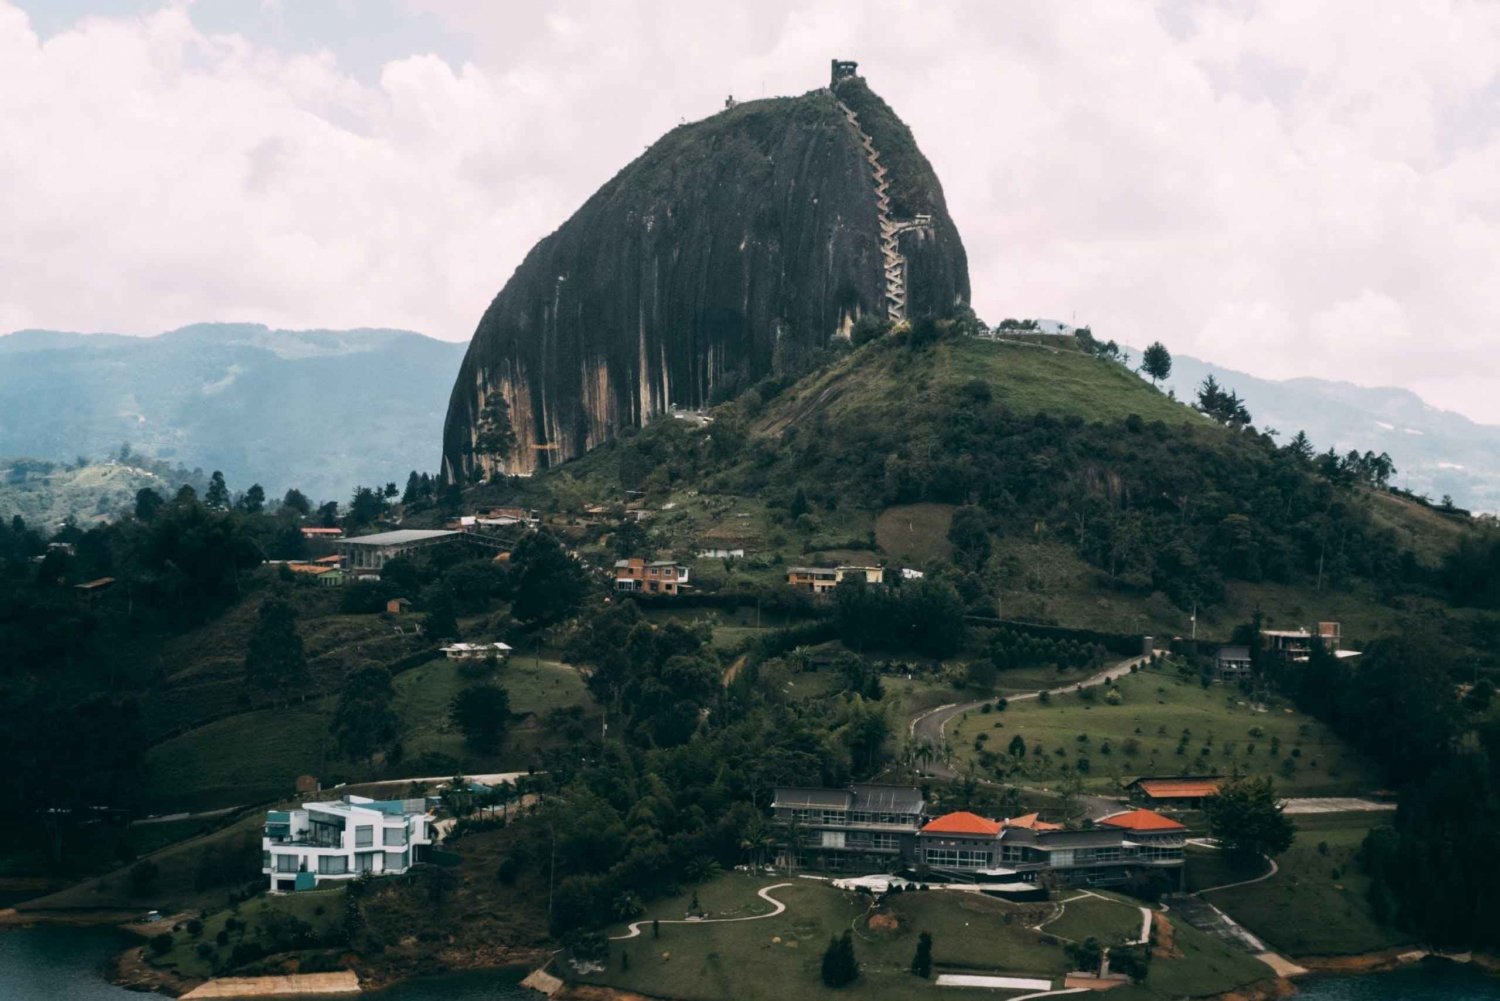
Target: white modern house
343,839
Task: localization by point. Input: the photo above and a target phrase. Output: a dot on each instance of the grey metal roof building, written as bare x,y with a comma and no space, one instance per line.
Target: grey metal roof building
372,552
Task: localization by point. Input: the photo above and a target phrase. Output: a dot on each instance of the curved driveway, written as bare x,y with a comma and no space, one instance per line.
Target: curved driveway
763,893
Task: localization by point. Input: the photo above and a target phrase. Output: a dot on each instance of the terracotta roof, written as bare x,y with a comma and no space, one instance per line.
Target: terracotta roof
962,823
94,585
1031,822
311,530
329,559
1180,788
1142,820
314,568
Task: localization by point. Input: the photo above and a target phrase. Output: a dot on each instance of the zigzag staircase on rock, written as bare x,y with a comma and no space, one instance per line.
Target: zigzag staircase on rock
893,261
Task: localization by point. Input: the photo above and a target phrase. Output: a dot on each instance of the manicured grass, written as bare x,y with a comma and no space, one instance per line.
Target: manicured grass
320,909
1158,707
1207,966
778,958
1112,922
1305,909
972,932
243,759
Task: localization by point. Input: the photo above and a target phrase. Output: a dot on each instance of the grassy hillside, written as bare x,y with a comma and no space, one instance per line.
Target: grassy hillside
1104,503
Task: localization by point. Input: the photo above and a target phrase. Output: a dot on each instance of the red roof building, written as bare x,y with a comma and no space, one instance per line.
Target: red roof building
963,822
1030,822
1142,821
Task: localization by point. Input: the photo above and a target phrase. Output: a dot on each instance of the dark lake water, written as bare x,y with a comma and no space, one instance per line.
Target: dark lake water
67,964
43,964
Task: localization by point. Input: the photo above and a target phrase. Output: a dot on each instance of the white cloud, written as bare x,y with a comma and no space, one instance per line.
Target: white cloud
1284,187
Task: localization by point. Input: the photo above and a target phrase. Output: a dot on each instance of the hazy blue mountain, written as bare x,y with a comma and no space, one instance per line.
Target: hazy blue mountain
1436,451
320,410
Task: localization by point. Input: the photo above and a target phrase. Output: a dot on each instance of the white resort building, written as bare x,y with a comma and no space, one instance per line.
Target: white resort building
343,839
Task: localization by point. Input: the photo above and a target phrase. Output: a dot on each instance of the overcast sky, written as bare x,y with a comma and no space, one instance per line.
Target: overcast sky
1285,188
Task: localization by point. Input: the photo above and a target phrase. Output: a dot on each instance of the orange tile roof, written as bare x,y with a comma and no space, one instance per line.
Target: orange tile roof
1180,788
312,530
962,822
310,568
1142,820
329,559
1031,822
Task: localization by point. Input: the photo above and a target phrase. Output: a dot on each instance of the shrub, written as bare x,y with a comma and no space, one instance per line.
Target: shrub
161,944
509,870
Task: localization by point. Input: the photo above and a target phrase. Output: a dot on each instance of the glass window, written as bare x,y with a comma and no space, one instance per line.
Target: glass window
286,863
364,837
265,860
395,837
395,861
365,862
333,865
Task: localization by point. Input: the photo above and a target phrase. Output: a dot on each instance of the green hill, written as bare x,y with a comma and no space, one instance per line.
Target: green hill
1090,498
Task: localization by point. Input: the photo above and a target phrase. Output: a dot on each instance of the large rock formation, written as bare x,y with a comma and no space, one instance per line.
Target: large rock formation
729,247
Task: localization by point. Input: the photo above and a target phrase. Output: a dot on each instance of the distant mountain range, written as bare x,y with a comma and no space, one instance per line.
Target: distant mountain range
1436,451
320,410
324,410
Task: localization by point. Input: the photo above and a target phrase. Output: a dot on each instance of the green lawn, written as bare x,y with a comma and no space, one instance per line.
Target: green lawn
778,958
202,956
1206,966
1112,922
1141,737
1317,904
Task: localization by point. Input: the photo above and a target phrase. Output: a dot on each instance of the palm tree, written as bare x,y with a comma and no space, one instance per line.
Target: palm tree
703,869
755,840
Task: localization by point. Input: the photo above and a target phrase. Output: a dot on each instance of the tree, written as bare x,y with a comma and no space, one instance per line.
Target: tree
969,533
1247,820
482,714
441,622
413,491
1086,955
254,501
274,660
494,437
549,583
921,963
1157,362
1301,446
840,968
297,501
1017,747
147,503
217,496
364,722
328,514
366,506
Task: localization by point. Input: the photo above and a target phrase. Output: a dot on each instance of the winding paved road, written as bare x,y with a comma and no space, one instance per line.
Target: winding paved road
763,893
930,725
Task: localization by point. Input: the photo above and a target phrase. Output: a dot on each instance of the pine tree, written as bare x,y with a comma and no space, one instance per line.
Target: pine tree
840,968
921,963
254,501
217,496
274,659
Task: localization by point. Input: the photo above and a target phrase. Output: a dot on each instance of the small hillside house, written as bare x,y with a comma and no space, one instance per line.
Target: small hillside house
476,651
820,580
316,532
342,840
636,576
1232,663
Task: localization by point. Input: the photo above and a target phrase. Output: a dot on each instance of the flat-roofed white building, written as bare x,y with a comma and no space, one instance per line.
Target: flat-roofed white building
343,839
